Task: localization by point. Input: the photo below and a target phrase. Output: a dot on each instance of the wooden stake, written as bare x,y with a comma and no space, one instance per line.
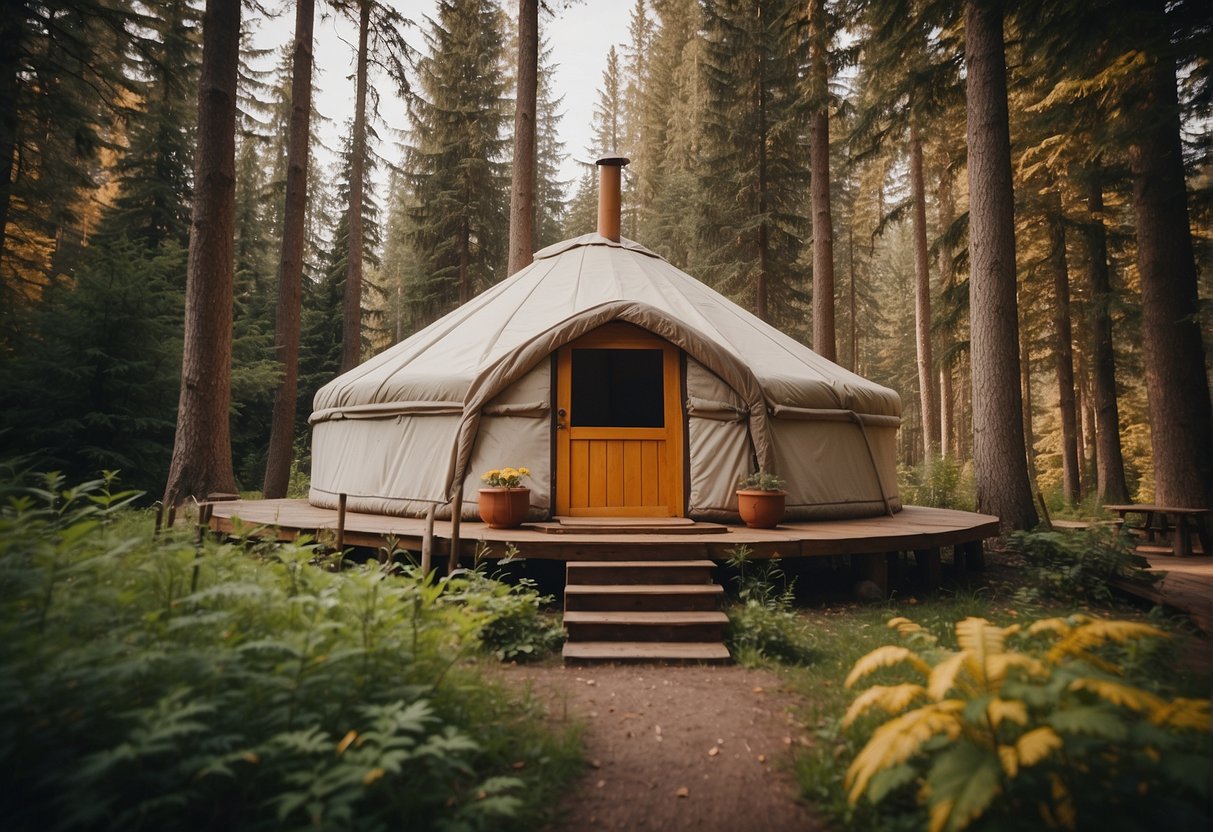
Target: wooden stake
341,498
427,542
456,518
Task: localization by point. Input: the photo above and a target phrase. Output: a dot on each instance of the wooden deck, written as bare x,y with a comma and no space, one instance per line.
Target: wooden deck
1187,586
915,528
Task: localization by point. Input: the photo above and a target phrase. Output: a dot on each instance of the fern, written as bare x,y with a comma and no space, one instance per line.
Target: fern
1038,719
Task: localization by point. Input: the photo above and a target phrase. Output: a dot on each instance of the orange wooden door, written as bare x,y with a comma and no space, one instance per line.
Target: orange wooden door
619,435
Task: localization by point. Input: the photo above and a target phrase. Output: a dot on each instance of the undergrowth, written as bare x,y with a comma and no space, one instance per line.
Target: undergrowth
176,684
763,623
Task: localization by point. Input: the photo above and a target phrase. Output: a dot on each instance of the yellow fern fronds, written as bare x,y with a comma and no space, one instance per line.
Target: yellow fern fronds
1063,805
889,698
1096,632
943,676
940,813
1121,694
998,665
1009,760
899,739
1184,714
903,625
1036,744
1056,626
886,656
1003,709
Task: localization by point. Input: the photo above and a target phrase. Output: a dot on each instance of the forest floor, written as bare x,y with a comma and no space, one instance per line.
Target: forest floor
676,747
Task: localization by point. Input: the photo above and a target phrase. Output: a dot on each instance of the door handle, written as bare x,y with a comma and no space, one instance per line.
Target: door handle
560,414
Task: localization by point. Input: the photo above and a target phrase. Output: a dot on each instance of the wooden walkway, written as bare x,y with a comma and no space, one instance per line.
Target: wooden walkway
1187,586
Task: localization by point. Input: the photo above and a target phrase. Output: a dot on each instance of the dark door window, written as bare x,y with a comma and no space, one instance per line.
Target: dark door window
618,388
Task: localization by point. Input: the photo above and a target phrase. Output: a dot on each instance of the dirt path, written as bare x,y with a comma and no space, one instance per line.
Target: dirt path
672,748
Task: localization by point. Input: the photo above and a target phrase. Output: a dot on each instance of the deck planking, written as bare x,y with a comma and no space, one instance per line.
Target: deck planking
1187,586
913,528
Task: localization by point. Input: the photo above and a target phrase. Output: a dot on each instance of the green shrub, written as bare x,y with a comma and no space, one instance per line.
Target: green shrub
763,624
174,685
1079,564
512,627
941,483
1050,735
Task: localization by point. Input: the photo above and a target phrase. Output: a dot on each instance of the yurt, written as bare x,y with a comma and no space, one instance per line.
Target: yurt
625,386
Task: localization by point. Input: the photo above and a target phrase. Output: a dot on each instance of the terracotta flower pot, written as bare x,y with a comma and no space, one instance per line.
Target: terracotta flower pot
504,508
761,509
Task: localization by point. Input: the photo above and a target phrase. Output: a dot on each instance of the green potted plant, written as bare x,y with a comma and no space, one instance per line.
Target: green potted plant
504,501
760,500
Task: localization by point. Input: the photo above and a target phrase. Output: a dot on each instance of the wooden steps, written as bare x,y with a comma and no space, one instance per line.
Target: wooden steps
644,611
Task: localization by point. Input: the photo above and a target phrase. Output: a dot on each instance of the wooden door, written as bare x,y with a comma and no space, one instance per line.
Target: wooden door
619,433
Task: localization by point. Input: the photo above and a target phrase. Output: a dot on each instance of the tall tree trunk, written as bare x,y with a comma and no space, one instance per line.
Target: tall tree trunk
1109,461
351,319
945,409
1063,351
465,262
824,342
854,339
11,25
999,457
762,283
1088,451
1181,434
929,401
947,278
522,189
202,448
290,262
1025,387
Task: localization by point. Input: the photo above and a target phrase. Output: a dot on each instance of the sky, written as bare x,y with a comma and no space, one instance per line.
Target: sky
578,36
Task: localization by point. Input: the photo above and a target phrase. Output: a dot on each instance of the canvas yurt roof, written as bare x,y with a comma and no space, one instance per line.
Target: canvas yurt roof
461,362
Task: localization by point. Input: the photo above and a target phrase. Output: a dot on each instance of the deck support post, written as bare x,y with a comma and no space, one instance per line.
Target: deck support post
928,564
341,498
975,555
427,542
456,518
876,569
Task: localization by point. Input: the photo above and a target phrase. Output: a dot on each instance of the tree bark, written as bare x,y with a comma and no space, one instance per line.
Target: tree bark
1063,352
290,262
202,448
522,189
999,457
824,341
947,278
11,29
927,397
1181,426
351,319
1109,460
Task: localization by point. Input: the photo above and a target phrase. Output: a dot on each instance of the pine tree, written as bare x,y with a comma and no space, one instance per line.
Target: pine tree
549,154
754,169
523,172
998,439
460,180
202,449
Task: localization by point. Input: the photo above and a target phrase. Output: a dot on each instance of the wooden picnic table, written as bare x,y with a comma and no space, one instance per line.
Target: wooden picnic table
1177,522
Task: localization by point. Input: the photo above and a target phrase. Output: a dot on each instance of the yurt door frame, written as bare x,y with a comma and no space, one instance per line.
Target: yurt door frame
619,425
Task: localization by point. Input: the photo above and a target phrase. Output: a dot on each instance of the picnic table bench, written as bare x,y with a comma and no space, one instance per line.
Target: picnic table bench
1173,521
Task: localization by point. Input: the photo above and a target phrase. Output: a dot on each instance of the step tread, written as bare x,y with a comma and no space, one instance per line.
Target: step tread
671,617
643,589
617,650
574,566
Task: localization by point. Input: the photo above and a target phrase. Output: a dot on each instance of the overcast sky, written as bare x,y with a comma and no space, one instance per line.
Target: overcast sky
578,36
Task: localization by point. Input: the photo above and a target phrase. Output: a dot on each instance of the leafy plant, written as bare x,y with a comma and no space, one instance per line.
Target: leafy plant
177,684
513,626
1079,564
941,482
504,477
760,481
1052,734
764,625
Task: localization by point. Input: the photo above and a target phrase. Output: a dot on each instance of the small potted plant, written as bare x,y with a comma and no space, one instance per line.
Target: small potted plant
760,500
504,501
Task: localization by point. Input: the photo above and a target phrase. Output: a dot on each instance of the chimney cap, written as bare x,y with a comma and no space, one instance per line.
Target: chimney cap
613,159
